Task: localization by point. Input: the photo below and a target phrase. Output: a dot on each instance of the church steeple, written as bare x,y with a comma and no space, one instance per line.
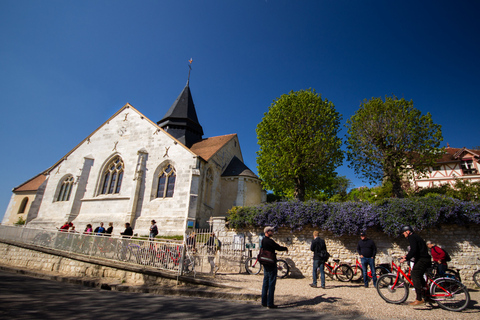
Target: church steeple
181,119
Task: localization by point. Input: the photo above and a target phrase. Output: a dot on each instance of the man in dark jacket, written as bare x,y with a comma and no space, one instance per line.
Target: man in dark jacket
128,233
367,250
319,258
269,271
419,251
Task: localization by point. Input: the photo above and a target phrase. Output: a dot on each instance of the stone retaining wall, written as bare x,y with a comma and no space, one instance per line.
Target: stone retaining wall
462,243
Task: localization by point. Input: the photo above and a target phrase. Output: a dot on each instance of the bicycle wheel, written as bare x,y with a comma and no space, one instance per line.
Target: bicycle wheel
392,290
476,278
344,273
253,266
449,294
282,269
357,273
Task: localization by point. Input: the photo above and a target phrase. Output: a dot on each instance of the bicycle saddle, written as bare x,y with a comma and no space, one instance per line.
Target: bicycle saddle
336,260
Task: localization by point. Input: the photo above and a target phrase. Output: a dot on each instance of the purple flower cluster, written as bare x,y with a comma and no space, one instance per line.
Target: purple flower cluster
351,217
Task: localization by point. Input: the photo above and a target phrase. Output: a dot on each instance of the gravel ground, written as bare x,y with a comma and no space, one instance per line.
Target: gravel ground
349,299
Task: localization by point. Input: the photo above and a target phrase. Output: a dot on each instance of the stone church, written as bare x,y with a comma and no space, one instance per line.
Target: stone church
132,169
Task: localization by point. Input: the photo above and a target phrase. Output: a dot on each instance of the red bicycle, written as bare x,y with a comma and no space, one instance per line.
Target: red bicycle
448,293
358,271
342,272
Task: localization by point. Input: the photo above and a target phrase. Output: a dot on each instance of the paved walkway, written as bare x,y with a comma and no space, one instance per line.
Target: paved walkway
339,300
23,297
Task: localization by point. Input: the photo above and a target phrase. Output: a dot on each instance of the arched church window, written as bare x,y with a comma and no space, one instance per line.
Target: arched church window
65,189
209,187
112,177
23,205
166,182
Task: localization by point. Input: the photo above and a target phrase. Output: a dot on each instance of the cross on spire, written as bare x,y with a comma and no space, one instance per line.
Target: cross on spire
189,69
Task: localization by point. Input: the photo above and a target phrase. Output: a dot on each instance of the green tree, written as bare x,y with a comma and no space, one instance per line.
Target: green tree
390,141
299,144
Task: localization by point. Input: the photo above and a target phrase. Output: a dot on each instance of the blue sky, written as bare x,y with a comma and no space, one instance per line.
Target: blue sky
67,66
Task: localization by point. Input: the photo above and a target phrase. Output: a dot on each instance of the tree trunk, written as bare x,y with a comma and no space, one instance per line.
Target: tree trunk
299,192
397,187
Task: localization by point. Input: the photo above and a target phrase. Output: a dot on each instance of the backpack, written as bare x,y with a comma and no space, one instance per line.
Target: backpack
447,256
324,255
218,244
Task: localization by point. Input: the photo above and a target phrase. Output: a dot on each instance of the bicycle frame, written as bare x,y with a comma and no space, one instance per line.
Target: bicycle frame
331,268
429,283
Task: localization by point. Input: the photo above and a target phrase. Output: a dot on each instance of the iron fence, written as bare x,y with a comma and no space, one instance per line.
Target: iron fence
169,255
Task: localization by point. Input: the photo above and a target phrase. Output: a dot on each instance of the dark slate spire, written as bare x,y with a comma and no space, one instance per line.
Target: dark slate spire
181,119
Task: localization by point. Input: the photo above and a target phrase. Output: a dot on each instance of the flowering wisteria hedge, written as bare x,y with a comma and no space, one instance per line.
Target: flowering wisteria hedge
352,217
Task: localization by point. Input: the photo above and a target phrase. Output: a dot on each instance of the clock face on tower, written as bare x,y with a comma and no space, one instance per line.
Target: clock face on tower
121,131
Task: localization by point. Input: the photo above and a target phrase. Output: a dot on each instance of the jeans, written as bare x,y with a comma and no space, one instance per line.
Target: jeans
318,264
365,263
441,269
269,282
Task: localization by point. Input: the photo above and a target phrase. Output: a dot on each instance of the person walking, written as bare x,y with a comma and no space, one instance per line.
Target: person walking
367,250
270,271
320,256
153,231
419,251
212,248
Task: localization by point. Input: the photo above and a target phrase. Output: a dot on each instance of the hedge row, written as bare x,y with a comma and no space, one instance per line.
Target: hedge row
353,217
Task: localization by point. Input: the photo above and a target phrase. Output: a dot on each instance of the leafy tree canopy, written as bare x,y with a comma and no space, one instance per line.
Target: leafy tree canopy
299,144
389,141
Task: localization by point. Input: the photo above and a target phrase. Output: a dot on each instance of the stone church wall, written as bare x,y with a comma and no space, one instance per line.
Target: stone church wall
143,149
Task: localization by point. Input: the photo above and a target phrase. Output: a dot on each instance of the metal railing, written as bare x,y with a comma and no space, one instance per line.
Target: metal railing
169,255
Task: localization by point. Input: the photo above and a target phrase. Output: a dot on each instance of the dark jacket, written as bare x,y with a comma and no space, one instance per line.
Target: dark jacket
317,246
128,232
269,245
109,231
418,248
367,248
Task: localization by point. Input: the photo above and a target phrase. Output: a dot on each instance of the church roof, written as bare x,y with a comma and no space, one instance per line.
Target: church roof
182,115
32,184
237,168
206,148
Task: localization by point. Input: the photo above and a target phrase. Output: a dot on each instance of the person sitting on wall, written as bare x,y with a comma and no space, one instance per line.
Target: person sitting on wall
109,230
100,230
88,229
65,227
128,233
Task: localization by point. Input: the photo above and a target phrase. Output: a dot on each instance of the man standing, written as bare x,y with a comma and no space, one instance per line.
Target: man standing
439,257
319,258
269,271
367,250
419,251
